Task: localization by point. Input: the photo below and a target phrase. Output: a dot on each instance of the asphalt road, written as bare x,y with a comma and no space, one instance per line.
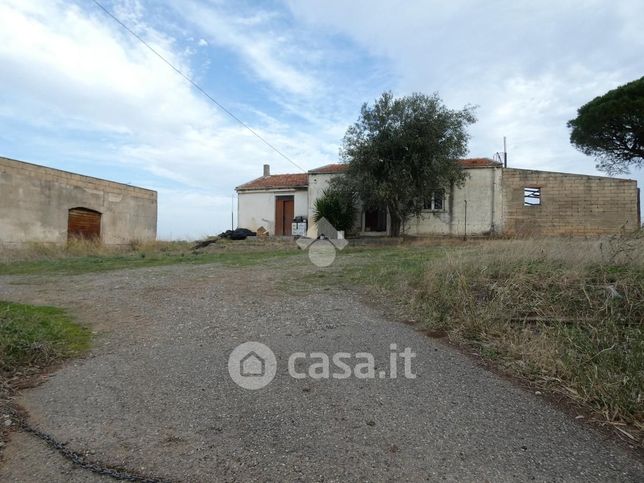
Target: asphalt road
155,396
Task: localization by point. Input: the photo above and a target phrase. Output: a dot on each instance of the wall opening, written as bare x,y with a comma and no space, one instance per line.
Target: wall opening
375,220
531,196
83,223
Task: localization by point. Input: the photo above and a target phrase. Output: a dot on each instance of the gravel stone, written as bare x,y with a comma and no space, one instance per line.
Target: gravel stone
155,392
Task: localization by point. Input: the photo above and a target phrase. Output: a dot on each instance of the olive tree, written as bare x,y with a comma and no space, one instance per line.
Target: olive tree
401,150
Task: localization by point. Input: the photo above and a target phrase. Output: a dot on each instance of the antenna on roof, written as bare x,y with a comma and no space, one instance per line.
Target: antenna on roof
502,157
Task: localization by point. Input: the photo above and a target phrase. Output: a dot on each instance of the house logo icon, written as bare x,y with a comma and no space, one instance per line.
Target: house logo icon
252,365
322,249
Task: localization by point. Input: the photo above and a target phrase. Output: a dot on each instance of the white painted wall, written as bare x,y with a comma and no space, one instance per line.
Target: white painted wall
482,191
257,208
317,184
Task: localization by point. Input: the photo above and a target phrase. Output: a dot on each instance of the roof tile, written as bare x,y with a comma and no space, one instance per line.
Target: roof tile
300,180
297,180
478,163
330,169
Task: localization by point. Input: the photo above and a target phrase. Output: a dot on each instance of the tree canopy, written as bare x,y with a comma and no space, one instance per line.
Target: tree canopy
611,128
401,150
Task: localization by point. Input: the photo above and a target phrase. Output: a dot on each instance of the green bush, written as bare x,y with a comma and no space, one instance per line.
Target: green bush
337,207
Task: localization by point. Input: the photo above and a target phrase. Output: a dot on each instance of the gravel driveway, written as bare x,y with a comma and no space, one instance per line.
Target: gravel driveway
155,395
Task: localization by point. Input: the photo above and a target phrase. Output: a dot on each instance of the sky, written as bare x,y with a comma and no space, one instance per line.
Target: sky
79,93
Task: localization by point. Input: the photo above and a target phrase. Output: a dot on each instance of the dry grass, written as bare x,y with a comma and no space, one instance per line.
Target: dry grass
86,248
567,314
85,256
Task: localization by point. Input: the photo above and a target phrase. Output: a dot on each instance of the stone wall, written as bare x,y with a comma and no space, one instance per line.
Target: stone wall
571,204
35,202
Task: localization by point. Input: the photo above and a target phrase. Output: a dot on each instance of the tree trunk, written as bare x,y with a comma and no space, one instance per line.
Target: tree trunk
395,223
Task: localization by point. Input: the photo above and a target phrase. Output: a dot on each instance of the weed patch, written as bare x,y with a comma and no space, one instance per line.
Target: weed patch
85,257
571,321
35,337
565,314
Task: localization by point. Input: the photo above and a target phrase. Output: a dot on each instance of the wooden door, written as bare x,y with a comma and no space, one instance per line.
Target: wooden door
84,223
284,213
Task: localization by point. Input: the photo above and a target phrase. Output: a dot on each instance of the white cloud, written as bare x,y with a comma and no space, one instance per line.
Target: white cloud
266,52
68,69
84,87
83,70
528,66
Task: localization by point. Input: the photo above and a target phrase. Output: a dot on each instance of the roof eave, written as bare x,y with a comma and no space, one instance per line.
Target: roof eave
272,188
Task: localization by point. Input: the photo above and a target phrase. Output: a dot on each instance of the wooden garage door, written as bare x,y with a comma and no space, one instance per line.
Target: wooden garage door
84,223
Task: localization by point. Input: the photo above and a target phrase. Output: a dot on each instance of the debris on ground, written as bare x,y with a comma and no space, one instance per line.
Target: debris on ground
262,233
204,243
237,234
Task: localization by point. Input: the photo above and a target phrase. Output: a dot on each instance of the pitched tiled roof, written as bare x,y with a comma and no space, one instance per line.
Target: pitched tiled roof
298,180
466,163
329,169
478,163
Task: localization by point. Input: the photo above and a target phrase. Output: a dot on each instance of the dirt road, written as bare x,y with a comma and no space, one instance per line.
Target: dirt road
155,395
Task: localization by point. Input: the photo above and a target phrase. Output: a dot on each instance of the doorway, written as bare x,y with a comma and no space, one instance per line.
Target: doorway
284,213
84,223
375,220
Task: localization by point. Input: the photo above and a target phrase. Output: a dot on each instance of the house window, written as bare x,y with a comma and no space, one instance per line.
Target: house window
436,202
531,196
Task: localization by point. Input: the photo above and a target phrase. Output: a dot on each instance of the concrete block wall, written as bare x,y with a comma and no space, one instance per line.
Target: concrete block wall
35,202
571,204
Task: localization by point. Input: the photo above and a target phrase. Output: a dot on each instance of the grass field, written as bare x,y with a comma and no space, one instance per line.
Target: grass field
82,257
35,337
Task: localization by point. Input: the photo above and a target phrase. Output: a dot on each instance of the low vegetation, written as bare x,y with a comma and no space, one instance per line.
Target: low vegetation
85,256
565,314
35,337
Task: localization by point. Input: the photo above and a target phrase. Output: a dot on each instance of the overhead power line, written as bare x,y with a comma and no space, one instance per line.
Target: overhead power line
196,86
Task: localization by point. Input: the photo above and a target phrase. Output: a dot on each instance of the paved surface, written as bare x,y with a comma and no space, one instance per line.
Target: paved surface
155,396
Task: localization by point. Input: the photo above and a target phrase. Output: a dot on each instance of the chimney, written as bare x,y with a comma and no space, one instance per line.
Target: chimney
267,170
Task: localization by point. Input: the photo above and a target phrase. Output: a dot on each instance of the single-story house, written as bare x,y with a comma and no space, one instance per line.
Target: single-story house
494,200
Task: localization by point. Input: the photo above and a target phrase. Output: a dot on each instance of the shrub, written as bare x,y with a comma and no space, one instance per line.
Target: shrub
337,207
566,314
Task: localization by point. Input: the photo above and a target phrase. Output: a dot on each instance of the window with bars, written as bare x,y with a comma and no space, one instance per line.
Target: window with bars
531,196
436,202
